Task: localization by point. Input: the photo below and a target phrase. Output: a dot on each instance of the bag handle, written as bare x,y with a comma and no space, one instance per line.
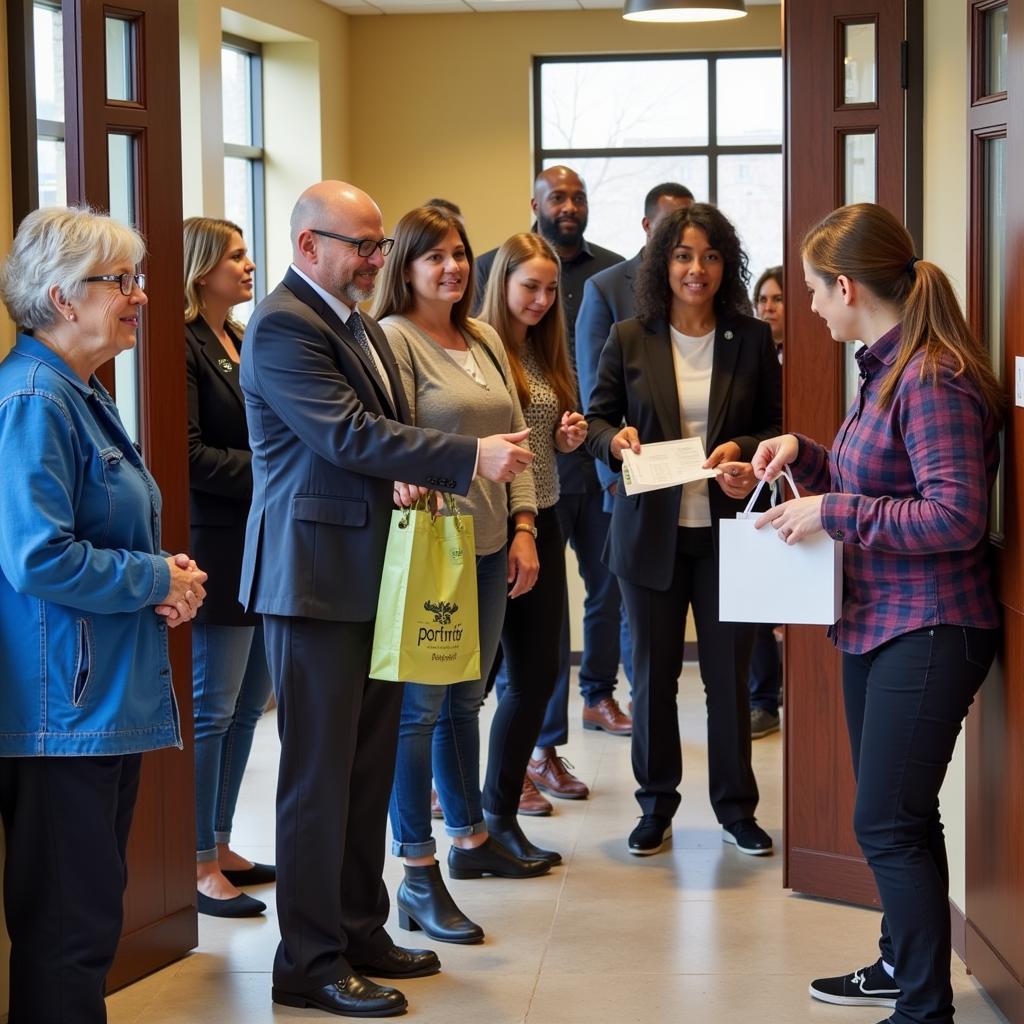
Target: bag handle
775,490
428,503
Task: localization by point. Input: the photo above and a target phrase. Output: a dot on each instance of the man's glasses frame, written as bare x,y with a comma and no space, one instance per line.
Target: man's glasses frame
126,281
365,247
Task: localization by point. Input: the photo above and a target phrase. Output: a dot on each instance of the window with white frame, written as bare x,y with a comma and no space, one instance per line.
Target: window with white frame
242,91
710,121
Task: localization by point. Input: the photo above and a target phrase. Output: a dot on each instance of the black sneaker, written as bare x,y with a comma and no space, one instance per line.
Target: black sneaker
748,837
650,835
870,986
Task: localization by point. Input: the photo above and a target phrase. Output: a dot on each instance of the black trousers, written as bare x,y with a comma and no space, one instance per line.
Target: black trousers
657,620
67,821
905,703
530,641
339,734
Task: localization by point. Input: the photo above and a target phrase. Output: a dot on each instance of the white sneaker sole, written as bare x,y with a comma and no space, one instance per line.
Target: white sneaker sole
824,997
666,836
728,837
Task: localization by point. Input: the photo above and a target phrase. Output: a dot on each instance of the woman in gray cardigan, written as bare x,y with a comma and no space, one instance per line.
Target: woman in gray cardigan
456,378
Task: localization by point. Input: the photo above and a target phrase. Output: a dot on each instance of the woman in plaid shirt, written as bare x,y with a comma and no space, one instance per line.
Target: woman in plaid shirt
905,487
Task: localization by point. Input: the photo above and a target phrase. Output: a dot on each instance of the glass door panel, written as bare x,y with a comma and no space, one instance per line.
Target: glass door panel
121,162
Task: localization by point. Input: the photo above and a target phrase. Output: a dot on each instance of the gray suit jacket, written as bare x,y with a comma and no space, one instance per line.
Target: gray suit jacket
607,299
327,442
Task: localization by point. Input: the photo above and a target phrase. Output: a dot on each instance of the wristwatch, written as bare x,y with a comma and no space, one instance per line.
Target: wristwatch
527,527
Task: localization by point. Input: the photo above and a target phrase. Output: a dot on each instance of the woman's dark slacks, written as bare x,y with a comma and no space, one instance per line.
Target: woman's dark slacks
530,645
657,621
905,703
66,821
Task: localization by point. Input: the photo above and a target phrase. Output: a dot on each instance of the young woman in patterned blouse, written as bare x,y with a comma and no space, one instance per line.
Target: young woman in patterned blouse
906,488
523,305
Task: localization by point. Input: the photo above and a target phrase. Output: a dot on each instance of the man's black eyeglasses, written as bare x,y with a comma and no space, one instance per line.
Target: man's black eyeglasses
126,281
364,246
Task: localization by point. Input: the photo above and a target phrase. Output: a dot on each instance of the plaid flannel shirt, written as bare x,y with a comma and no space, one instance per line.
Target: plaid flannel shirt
907,492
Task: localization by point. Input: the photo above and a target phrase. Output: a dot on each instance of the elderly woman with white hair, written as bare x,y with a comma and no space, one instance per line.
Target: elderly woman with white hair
86,597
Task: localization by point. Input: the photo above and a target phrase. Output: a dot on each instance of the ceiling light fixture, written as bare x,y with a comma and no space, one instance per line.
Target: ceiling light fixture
683,10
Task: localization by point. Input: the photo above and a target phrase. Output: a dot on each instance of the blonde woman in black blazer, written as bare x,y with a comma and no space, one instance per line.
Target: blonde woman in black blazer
693,362
230,679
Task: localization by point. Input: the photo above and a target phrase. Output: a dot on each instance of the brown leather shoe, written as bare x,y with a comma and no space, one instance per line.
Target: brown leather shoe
532,801
551,774
435,806
608,716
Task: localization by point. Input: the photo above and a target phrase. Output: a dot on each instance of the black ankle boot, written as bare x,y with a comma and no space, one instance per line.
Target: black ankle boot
492,857
425,904
505,828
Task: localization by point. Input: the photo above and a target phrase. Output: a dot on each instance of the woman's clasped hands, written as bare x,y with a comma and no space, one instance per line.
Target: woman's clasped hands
187,592
571,432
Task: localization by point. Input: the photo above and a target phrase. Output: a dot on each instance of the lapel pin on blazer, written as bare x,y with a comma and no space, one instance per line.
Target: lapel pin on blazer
226,365
727,335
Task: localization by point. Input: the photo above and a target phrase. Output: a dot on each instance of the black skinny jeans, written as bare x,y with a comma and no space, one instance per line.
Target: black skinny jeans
530,645
905,703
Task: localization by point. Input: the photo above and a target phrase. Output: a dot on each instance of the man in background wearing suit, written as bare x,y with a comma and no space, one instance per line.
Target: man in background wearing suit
327,421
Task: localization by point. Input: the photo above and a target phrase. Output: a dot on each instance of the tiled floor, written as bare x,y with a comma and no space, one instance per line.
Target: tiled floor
700,934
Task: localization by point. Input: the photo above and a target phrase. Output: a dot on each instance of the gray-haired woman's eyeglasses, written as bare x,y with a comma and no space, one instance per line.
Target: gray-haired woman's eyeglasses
127,281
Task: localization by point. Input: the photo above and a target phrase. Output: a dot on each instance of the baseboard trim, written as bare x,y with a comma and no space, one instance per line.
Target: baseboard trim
958,931
998,980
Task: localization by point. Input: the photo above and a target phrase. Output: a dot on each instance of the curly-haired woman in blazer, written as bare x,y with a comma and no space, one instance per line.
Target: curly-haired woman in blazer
692,363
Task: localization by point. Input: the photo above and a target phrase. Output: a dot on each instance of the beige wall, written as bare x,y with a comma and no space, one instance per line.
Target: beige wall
305,73
945,242
440,105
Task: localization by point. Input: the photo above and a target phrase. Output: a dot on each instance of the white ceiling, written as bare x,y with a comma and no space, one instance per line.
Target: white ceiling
479,6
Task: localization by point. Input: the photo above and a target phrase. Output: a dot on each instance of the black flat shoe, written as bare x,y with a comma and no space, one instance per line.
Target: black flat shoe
505,828
258,874
425,904
401,963
238,906
492,858
351,996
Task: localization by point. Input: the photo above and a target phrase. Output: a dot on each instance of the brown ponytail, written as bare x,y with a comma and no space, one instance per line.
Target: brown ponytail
866,243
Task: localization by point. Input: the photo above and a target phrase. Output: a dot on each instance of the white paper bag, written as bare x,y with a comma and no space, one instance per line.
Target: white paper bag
762,579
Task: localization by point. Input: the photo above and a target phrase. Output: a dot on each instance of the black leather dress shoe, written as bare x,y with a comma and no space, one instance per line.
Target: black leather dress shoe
258,874
238,906
492,858
401,963
351,996
507,831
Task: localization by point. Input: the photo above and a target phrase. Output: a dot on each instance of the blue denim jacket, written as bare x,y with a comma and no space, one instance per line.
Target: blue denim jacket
83,656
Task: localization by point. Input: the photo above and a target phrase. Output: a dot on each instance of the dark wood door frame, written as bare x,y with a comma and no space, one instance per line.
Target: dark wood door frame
822,857
994,938
160,917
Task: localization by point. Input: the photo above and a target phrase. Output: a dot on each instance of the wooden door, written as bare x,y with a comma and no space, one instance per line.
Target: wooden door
994,939
853,125
124,155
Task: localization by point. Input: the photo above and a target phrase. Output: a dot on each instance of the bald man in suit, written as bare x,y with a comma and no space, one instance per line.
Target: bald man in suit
328,424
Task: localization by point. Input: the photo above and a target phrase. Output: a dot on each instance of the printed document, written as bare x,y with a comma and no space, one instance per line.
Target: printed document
664,464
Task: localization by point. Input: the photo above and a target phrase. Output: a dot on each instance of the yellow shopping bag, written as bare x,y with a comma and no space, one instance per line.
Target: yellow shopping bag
427,628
